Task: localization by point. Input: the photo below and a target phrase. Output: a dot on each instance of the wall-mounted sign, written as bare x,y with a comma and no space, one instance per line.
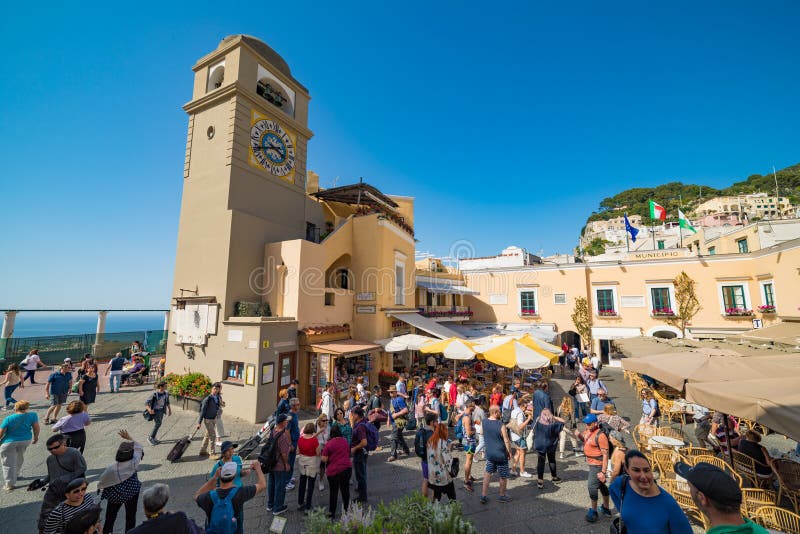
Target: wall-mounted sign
265,344
656,255
235,335
366,309
267,373
250,375
757,323
361,297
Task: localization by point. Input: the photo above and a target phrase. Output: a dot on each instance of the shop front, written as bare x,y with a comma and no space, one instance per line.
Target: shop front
342,362
604,338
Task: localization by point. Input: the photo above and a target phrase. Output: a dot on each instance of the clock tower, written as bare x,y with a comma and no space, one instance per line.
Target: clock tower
245,170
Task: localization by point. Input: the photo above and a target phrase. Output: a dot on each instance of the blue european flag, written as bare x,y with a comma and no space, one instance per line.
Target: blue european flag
630,229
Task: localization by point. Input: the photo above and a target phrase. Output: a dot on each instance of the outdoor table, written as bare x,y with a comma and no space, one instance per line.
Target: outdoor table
662,442
682,409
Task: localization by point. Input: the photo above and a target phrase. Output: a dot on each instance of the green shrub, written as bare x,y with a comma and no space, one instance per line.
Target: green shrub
411,514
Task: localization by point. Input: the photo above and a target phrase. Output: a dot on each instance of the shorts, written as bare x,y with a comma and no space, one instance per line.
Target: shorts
594,484
449,490
501,468
470,444
521,443
59,398
424,470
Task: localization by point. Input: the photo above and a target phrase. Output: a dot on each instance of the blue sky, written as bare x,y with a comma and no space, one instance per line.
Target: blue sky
508,121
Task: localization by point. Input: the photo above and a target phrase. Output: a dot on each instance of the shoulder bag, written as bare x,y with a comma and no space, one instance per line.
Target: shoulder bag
618,525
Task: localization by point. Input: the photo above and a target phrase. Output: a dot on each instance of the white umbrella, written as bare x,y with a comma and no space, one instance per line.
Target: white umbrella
407,342
512,354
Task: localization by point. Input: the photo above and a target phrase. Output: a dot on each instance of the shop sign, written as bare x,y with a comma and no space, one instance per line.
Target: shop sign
366,309
324,366
361,297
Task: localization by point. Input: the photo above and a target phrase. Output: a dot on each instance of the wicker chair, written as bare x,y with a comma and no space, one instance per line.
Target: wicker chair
747,466
754,498
641,434
671,432
722,464
691,452
773,517
788,473
685,501
664,461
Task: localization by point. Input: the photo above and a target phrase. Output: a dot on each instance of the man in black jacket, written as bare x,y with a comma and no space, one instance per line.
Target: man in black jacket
208,413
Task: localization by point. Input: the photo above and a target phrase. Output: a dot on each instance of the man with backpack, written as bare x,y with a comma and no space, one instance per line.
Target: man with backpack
466,429
274,459
421,446
398,418
365,439
596,447
224,505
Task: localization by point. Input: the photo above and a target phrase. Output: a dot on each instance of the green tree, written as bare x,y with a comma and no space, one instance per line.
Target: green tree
688,305
597,246
582,319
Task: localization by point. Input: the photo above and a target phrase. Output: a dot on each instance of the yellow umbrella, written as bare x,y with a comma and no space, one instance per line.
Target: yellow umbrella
535,344
549,347
452,348
512,353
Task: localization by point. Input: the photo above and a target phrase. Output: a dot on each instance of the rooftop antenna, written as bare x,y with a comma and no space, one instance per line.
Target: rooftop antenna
335,180
360,185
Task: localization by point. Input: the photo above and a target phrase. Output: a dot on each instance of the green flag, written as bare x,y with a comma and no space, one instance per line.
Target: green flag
684,222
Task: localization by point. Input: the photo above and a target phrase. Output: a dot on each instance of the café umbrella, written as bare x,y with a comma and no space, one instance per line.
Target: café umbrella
407,342
452,348
512,353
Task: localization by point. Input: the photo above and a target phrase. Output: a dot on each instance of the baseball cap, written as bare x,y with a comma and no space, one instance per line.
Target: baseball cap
589,419
228,470
281,418
712,481
67,360
227,445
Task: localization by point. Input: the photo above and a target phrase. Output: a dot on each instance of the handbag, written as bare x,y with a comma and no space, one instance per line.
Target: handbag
411,424
147,415
618,525
454,465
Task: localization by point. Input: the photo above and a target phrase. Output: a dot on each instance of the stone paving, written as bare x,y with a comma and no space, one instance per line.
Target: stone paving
554,509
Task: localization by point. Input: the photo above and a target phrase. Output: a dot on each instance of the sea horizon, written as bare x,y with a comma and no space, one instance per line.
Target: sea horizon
41,324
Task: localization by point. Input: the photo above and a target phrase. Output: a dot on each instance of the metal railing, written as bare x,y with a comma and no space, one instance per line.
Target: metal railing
53,349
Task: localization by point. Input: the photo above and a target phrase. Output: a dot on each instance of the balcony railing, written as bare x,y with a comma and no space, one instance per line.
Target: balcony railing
396,219
445,311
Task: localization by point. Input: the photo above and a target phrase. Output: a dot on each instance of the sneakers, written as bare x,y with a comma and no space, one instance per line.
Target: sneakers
556,479
269,508
321,486
290,486
591,515
605,511
560,455
468,486
540,484
391,459
504,498
525,474
279,511
578,454
203,453
151,441
484,499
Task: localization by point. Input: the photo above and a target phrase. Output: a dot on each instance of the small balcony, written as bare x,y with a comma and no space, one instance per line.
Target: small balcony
453,313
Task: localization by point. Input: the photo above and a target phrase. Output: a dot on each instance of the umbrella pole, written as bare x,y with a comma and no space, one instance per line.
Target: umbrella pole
727,436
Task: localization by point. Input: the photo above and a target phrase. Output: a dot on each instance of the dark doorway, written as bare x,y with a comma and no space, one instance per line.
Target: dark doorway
571,339
605,349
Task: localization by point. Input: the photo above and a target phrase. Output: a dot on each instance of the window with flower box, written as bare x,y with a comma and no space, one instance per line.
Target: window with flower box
527,303
659,297
605,303
734,301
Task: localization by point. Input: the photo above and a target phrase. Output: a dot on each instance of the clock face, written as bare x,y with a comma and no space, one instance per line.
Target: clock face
272,147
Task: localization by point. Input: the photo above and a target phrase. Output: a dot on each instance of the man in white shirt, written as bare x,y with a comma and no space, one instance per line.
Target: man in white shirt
597,362
401,385
431,363
521,419
31,363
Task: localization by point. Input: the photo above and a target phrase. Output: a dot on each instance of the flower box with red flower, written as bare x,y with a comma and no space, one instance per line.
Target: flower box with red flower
607,313
663,312
767,309
738,312
529,312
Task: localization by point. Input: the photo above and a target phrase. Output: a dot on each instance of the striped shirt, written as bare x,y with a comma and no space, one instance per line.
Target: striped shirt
57,520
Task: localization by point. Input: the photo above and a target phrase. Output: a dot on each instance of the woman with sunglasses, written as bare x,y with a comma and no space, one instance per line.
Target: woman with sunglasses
323,435
77,500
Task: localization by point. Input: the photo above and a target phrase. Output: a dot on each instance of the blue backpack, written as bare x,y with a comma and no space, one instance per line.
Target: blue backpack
459,430
223,517
442,413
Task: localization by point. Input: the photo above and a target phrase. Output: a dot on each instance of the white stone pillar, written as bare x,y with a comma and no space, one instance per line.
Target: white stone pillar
101,330
8,331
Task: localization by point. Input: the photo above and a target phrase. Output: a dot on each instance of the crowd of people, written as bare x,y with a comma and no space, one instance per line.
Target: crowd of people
498,424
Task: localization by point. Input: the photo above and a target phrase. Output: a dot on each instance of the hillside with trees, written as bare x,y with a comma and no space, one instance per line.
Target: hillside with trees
674,194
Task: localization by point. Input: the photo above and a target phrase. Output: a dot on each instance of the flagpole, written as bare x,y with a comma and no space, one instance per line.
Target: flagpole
653,229
627,242
680,232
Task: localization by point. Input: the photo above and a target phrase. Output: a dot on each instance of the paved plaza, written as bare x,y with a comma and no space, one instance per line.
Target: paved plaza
554,509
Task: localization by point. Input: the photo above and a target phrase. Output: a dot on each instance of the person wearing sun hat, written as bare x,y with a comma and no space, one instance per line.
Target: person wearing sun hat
719,497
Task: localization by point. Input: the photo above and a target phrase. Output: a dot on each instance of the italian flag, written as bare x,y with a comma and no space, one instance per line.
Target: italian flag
657,211
683,222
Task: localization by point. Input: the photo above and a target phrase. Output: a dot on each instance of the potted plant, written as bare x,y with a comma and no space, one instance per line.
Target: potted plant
663,312
738,312
768,308
607,313
189,388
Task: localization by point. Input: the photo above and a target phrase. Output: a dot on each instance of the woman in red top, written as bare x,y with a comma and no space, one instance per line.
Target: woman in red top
336,455
308,449
496,398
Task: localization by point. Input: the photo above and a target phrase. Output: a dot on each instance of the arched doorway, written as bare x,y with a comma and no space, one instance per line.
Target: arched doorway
570,338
